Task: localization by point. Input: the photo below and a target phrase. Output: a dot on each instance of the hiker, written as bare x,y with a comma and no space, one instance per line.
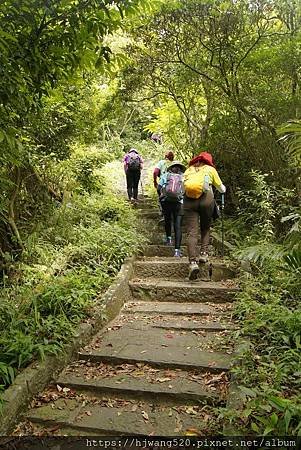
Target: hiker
161,167
171,191
156,138
199,207
133,164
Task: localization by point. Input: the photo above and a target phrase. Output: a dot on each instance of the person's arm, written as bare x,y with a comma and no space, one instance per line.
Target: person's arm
156,175
141,163
125,162
161,184
217,182
221,188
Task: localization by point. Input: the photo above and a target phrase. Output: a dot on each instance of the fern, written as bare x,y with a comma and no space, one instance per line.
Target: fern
261,253
291,135
293,260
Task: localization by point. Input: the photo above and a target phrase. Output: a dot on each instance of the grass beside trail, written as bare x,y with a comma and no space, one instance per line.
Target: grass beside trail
71,257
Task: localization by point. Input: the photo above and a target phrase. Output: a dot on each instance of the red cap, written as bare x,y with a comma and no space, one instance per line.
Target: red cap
170,156
204,157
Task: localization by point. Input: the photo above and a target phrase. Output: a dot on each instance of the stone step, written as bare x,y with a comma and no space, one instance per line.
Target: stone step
175,268
183,322
130,381
156,220
163,250
150,214
141,333
193,325
157,238
159,356
146,205
182,291
116,418
164,308
137,343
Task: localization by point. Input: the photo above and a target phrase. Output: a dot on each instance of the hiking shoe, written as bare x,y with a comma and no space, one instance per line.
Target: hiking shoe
203,257
193,270
177,253
168,240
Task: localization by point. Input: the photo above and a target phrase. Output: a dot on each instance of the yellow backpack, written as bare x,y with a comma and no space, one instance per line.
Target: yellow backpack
194,181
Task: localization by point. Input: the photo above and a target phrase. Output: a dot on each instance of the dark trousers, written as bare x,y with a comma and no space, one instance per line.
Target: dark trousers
198,215
132,182
172,212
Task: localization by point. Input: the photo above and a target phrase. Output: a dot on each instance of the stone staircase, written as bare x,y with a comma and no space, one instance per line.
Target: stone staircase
160,367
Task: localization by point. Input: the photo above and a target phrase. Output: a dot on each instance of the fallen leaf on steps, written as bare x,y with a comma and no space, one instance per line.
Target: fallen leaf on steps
211,364
145,415
192,432
190,410
162,380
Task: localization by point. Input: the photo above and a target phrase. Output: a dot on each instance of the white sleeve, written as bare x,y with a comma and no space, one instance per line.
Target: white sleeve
221,188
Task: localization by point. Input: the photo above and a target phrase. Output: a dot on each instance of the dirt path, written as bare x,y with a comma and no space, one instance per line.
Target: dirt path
160,367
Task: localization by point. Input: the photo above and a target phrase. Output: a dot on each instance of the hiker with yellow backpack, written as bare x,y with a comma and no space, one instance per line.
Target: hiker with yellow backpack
199,207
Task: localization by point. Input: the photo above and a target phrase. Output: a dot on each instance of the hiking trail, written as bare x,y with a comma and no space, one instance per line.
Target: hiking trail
153,369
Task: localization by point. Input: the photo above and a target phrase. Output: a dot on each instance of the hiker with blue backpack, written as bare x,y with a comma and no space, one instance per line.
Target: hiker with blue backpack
133,164
171,192
200,207
162,166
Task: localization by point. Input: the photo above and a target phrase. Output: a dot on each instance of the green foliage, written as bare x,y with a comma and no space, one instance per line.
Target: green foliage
221,77
291,134
268,368
69,260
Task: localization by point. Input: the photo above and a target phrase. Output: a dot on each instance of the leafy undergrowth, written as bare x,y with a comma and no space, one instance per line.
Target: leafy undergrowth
70,259
267,371
265,236
268,368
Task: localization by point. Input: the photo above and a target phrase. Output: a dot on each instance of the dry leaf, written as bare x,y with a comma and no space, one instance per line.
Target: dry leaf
145,415
191,410
134,408
88,413
59,388
192,432
162,380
